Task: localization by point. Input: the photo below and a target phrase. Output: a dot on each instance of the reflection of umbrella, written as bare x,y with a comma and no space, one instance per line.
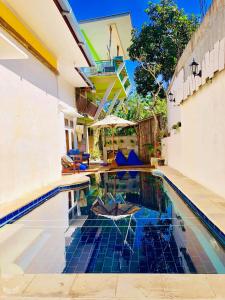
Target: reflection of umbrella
114,211
113,122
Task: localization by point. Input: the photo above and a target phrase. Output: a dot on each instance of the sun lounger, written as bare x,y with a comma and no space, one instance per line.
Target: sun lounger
70,166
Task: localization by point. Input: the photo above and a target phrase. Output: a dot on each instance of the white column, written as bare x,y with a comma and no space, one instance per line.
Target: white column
114,102
75,134
104,99
86,138
70,138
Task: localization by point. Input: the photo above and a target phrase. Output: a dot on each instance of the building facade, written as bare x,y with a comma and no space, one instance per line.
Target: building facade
41,52
108,39
197,148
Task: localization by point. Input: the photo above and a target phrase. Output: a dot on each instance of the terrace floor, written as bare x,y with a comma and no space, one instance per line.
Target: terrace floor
8,207
211,204
109,287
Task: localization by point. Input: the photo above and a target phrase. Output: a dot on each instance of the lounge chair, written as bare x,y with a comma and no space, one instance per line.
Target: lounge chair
70,166
84,156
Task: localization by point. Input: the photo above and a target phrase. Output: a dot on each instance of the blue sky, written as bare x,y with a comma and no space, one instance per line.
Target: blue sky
85,9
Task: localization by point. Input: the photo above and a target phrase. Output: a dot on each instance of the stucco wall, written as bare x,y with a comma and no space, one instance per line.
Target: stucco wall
174,114
172,150
198,151
29,136
66,92
203,131
207,47
33,71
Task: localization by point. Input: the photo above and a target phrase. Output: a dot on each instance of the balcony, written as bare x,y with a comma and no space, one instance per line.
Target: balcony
103,67
85,106
106,68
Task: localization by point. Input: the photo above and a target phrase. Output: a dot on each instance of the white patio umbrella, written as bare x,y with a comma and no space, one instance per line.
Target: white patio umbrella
112,121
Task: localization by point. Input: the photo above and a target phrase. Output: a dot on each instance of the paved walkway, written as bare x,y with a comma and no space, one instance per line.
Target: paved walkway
211,204
7,207
109,286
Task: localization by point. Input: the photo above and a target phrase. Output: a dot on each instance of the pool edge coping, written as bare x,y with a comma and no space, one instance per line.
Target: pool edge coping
24,209
211,226
36,201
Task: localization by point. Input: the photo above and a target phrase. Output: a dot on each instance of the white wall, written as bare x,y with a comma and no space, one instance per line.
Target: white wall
172,150
66,92
33,71
203,130
32,130
198,151
29,136
174,114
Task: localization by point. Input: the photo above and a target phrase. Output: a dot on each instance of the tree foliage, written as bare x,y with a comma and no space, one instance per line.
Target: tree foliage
137,108
145,82
160,42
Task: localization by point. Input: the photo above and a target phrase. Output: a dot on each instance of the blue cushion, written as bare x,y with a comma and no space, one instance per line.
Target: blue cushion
133,159
83,167
120,159
86,155
73,152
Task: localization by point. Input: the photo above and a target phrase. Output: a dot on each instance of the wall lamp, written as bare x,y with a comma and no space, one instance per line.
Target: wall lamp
195,68
171,97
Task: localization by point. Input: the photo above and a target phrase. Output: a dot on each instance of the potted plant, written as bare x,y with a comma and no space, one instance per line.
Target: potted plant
155,155
151,150
176,126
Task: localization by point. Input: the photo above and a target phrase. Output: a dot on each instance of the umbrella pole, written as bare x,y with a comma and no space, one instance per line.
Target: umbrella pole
113,142
113,164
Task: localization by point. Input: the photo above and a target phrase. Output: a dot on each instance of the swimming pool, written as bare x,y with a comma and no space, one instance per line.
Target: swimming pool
159,233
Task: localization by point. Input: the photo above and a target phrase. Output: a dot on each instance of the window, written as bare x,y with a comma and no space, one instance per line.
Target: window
66,121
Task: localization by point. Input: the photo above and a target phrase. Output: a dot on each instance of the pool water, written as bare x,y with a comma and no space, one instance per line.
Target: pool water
65,235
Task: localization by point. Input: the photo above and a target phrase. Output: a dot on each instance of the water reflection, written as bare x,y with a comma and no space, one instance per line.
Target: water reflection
154,239
65,235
